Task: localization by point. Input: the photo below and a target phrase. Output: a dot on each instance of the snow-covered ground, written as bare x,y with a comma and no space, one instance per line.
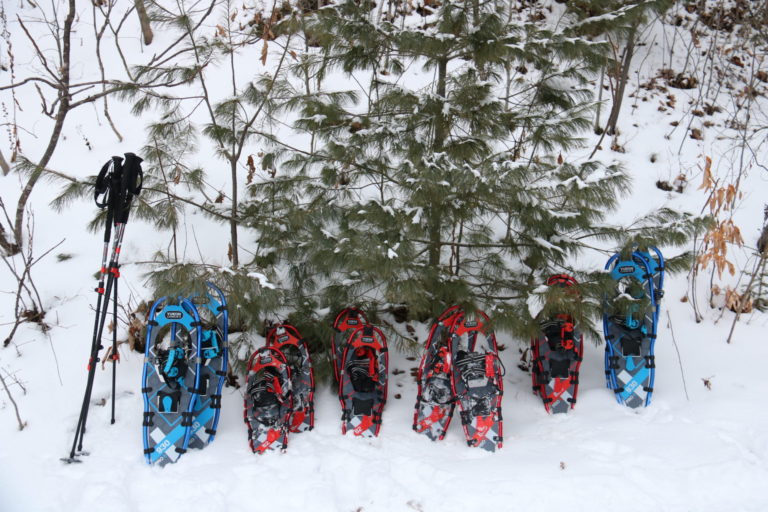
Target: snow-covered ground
696,448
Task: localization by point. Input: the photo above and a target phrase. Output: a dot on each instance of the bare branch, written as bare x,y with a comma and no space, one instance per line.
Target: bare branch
22,424
40,54
4,165
30,79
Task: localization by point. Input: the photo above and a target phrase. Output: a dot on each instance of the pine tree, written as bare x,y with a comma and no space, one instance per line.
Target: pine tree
448,186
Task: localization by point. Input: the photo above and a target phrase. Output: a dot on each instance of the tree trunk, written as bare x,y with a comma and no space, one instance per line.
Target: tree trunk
626,61
233,215
441,133
61,114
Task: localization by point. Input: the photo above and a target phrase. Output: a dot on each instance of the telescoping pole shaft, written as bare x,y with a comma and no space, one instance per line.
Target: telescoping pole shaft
113,274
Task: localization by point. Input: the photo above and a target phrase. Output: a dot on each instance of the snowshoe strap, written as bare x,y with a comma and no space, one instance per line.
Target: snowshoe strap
358,368
472,365
210,345
172,365
566,335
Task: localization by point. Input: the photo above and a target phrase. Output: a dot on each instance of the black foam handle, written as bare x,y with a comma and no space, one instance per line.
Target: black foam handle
131,181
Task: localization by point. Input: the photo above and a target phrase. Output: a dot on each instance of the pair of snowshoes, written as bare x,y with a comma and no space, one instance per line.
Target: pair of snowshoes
461,366
361,366
280,387
556,355
185,365
630,320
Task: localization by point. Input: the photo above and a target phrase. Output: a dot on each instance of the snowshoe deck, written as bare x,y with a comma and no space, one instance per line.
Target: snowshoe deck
435,401
346,322
630,332
287,339
477,380
170,379
268,400
363,386
556,355
212,307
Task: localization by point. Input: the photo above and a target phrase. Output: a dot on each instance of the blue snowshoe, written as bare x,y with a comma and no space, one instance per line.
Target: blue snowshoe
212,308
170,379
630,321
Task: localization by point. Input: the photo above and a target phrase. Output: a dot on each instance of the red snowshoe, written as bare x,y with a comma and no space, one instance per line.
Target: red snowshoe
363,381
268,400
287,339
556,355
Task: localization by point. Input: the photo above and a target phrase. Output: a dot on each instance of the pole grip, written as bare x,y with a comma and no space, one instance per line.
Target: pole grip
130,185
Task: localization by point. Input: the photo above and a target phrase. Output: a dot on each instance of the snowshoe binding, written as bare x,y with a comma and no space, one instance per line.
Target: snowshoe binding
435,401
268,400
477,380
556,356
288,340
630,321
363,386
170,379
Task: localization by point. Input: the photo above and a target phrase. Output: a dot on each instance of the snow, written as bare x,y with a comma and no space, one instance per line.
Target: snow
694,449
262,279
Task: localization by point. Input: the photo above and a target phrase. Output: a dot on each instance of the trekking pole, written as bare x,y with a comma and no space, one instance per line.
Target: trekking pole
104,197
112,275
114,356
116,185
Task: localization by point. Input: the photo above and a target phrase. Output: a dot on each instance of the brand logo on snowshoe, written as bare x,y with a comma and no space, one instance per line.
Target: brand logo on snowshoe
626,269
283,338
367,339
174,315
352,321
470,323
